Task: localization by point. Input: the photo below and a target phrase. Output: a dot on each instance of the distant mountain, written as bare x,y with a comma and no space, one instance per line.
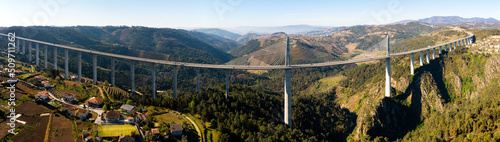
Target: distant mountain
219,32
217,41
251,36
247,37
439,20
325,31
290,29
344,44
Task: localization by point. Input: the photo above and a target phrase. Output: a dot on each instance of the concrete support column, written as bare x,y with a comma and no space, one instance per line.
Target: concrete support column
37,54
451,44
94,68
24,46
433,53
29,52
198,80
55,58
440,50
227,84
175,83
45,50
79,66
388,70
412,63
421,58
17,45
288,86
132,77
153,80
66,64
288,98
113,71
428,56
454,45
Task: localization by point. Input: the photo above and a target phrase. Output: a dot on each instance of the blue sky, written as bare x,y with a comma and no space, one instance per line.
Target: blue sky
234,13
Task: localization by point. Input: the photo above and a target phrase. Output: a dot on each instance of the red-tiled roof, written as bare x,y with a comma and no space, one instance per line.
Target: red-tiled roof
67,94
18,71
39,76
112,115
83,110
69,107
44,93
94,100
141,116
155,131
175,127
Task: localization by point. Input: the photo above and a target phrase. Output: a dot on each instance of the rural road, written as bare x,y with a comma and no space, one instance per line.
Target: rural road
196,127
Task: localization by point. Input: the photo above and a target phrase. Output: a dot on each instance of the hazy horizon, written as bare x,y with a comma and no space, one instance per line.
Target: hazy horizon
233,13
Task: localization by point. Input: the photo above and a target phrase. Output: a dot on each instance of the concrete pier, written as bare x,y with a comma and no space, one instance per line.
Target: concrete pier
37,54
113,71
288,98
55,58
227,84
288,86
153,80
446,47
24,46
412,63
451,44
198,80
174,85
45,57
440,50
428,56
94,68
421,58
79,66
388,70
17,45
29,52
433,53
66,64
132,77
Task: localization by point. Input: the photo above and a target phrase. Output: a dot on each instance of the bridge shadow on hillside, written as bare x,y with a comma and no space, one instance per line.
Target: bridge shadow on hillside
413,112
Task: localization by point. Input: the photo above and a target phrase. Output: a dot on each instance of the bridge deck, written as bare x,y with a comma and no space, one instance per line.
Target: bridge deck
237,67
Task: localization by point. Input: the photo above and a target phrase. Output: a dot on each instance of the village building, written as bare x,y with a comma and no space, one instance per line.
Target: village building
94,102
176,130
113,116
127,108
141,117
68,97
39,78
42,95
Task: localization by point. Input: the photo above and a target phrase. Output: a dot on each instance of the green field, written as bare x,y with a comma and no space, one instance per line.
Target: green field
115,130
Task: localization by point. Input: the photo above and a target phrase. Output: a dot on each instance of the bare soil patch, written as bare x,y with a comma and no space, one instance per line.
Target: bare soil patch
31,135
61,130
31,108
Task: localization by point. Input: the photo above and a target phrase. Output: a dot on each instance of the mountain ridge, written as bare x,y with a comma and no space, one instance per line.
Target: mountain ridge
439,20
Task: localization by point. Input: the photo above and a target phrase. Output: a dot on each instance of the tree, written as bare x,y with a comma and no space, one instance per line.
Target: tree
105,107
129,102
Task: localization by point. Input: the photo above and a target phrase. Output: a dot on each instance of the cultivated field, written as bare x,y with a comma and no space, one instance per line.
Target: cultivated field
31,108
115,130
35,131
61,130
